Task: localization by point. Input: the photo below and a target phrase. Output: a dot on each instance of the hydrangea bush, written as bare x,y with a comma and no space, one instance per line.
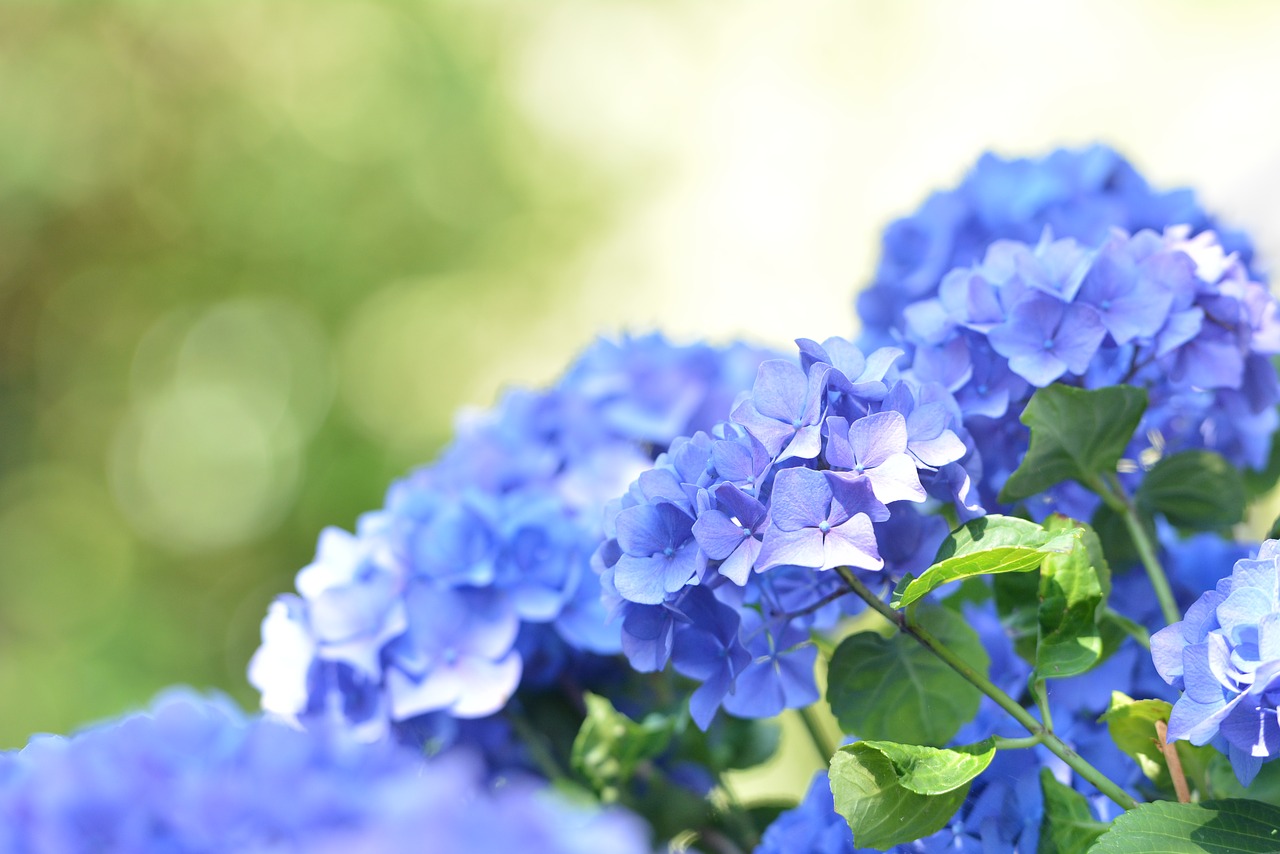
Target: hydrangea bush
966,557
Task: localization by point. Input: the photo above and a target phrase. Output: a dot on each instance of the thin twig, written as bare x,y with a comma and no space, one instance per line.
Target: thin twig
1174,762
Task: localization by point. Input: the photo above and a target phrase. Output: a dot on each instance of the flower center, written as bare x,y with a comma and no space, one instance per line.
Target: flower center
668,551
824,526
1048,343
1105,305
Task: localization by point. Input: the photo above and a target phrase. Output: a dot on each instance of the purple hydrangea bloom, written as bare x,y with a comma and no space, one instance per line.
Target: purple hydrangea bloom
752,512
813,826
195,775
1175,314
475,577
1080,194
1224,656
822,521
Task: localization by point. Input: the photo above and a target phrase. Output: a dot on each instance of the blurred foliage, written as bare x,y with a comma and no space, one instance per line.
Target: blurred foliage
253,255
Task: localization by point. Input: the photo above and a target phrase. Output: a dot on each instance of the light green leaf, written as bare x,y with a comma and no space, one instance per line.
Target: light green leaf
1068,825
1132,725
1212,827
609,745
934,770
896,690
1195,490
1076,434
894,793
986,546
1073,588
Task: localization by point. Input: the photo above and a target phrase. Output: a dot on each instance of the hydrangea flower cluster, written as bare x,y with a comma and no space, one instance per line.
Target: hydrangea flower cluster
715,558
1224,656
195,775
1078,194
475,577
1174,313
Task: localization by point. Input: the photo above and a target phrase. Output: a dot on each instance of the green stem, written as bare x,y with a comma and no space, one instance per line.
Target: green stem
1041,694
1003,743
922,636
821,743
1114,495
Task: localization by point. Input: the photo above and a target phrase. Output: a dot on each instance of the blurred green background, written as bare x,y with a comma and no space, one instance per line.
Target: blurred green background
254,255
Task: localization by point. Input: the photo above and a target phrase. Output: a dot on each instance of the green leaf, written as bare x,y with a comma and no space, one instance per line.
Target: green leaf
1223,783
970,591
986,546
1018,604
1068,825
1115,628
896,690
1117,542
735,743
1132,725
1073,588
894,793
1195,490
1213,827
1075,435
610,746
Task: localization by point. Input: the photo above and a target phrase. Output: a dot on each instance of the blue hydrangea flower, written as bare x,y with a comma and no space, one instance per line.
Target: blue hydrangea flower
1078,194
1224,656
474,578
753,513
1176,314
195,775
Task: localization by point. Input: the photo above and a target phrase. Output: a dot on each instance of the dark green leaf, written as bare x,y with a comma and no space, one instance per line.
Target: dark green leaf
1212,827
1068,825
1075,435
896,690
1018,604
986,546
610,745
895,793
1223,783
1073,588
1117,542
1115,628
741,743
1195,490
970,591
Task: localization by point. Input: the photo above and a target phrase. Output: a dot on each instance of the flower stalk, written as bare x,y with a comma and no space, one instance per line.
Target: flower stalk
1055,744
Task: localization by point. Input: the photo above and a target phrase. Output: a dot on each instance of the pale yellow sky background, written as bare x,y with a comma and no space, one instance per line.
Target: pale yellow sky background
764,145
